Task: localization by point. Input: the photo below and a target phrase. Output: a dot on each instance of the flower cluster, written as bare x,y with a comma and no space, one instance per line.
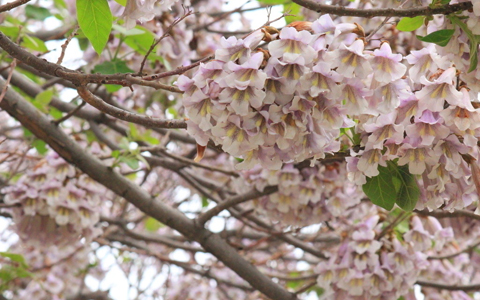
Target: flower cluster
305,196
54,203
57,270
368,267
431,131
275,106
144,10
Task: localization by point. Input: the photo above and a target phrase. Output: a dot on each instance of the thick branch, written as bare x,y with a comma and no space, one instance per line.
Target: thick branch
32,89
12,5
121,114
447,214
465,288
73,76
67,148
383,12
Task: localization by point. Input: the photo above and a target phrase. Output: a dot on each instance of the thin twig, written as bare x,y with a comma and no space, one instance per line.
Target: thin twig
384,22
177,71
9,77
65,45
220,17
192,162
187,13
306,287
468,249
71,113
203,218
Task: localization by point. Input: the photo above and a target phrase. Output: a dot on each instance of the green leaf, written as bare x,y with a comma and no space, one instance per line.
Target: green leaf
150,139
115,153
55,113
40,146
132,162
273,2
42,100
410,24
121,2
204,201
15,257
83,43
34,43
473,39
27,133
60,4
91,137
140,42
10,31
380,189
112,67
409,192
133,132
143,160
152,224
440,37
127,32
37,12
95,20
293,9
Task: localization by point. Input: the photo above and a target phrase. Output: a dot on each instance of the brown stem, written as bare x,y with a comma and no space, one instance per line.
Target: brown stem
121,114
384,12
12,5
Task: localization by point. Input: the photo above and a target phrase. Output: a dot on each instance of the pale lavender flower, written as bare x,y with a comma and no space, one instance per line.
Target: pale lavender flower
350,61
386,65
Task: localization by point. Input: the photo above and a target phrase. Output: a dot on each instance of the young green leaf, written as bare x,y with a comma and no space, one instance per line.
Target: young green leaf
34,43
440,37
381,189
152,224
474,41
112,67
409,192
42,100
292,9
37,12
95,20
410,24
40,146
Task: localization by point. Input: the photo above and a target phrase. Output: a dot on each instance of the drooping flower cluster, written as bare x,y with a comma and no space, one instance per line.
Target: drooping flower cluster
290,103
57,270
305,196
54,204
431,131
275,106
144,10
366,266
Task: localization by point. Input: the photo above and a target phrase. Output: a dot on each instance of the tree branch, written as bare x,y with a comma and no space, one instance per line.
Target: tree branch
124,115
73,76
446,214
465,288
254,193
468,249
12,5
384,12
